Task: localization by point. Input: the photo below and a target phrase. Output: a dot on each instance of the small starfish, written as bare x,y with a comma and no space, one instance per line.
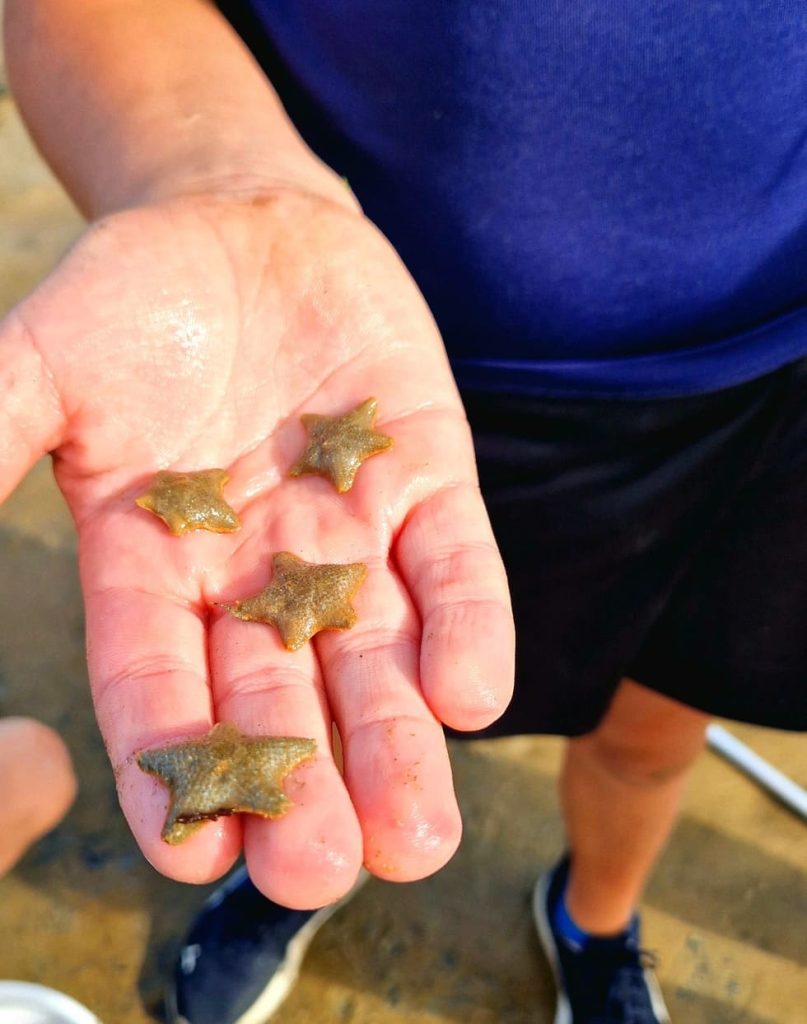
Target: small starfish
337,445
304,598
190,501
222,773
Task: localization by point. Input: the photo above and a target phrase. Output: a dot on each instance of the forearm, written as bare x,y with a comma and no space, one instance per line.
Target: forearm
136,100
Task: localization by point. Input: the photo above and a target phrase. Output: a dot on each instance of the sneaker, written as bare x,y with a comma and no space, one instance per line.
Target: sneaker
242,955
609,981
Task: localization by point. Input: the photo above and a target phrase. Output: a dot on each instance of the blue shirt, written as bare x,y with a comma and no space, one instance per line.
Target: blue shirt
595,198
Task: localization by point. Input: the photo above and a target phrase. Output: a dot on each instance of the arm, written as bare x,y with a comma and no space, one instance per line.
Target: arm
135,100
231,285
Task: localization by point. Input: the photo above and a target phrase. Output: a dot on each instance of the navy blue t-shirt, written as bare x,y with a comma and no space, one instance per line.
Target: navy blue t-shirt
595,198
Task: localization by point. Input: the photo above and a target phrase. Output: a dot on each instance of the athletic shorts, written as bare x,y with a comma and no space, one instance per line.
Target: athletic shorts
663,540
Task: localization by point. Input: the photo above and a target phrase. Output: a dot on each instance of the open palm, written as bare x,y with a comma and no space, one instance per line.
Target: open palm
193,335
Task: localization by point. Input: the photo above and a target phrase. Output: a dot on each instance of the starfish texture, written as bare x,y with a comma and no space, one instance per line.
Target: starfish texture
337,445
222,773
190,501
304,598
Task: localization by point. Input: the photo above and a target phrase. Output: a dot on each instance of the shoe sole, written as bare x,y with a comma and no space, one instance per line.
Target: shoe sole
563,1014
278,989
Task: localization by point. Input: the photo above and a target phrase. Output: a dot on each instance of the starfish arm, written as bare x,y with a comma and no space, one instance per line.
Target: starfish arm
284,564
301,466
312,420
178,831
374,443
339,618
221,518
176,522
259,608
317,462
235,608
342,469
228,521
296,629
156,763
218,477
364,415
153,762
355,575
295,750
145,501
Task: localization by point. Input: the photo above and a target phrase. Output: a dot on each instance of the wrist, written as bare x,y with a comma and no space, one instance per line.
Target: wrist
233,170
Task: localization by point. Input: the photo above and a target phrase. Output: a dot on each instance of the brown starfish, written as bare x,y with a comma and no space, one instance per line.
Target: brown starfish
222,773
190,501
304,598
337,445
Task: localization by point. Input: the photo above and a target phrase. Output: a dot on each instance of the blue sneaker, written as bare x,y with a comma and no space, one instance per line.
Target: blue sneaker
607,981
242,955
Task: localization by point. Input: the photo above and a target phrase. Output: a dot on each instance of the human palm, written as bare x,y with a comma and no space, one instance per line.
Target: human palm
193,335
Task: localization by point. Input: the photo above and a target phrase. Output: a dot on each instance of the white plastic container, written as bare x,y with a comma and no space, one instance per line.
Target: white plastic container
22,1002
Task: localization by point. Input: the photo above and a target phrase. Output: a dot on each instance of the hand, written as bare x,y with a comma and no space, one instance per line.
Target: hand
192,334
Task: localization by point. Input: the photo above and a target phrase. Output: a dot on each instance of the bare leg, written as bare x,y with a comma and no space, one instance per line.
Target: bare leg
38,785
621,788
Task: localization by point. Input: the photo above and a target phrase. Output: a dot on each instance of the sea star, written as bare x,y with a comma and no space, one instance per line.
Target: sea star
337,445
304,598
222,773
190,501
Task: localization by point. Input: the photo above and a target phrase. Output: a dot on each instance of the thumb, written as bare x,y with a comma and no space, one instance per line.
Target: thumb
32,420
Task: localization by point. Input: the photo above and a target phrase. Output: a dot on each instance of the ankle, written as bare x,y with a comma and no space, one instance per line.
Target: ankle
600,911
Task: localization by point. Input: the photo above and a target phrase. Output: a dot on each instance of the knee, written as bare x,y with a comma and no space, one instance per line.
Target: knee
645,738
39,784
639,761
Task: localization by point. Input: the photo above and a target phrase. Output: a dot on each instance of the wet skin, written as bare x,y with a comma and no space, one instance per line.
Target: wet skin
136,356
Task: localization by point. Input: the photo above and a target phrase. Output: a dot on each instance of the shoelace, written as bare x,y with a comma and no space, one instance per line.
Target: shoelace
628,1001
615,987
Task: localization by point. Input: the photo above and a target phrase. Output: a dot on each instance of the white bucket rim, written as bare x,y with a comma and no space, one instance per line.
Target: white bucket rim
28,995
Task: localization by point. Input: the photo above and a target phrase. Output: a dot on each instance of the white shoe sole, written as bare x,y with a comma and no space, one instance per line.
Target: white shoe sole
563,1013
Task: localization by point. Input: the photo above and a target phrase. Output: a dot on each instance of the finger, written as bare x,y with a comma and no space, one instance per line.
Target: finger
32,421
448,557
396,762
312,855
146,648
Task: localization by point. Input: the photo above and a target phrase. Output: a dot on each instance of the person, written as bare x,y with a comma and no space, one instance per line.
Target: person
39,785
604,216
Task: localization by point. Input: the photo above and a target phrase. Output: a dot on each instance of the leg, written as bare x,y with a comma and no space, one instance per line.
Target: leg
38,785
620,790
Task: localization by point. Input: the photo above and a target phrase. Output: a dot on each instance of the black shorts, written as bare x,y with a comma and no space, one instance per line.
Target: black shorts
663,540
